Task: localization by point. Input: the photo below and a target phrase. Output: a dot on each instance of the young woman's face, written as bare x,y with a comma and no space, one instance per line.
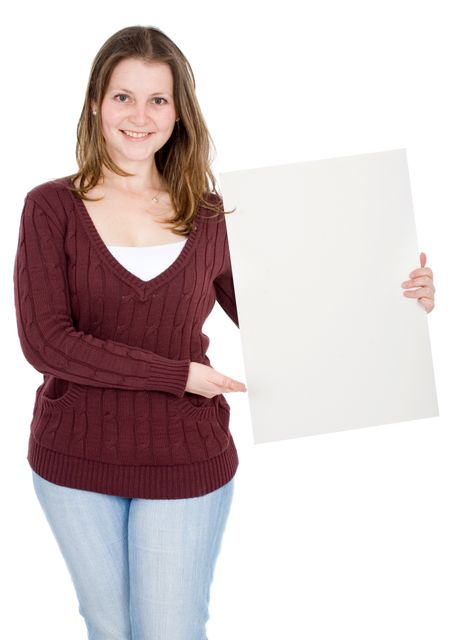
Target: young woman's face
139,98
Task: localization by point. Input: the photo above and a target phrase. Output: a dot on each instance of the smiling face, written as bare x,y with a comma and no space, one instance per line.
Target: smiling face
139,98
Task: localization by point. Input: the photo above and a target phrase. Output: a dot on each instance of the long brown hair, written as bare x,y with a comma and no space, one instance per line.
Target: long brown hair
183,161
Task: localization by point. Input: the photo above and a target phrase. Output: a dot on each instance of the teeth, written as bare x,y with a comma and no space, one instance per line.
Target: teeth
136,135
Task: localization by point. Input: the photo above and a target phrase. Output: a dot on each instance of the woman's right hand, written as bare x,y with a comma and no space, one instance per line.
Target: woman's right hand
206,381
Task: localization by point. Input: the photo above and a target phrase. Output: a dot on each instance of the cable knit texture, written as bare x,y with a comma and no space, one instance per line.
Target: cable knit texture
112,414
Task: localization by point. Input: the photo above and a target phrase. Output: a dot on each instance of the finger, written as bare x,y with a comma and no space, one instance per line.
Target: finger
428,305
417,282
228,383
426,271
423,259
422,292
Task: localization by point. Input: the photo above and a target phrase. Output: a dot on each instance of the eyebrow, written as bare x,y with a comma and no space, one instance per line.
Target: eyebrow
157,93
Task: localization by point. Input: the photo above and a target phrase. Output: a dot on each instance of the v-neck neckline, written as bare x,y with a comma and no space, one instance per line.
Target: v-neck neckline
143,287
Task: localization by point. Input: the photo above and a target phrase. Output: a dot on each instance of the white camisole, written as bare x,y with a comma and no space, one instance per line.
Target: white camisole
149,261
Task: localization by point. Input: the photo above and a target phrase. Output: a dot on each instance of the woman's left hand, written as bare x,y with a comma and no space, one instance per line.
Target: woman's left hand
423,279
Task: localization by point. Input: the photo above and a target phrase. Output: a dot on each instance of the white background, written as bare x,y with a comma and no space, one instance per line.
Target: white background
337,536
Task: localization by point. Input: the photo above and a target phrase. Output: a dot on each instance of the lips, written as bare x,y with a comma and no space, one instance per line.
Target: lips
137,138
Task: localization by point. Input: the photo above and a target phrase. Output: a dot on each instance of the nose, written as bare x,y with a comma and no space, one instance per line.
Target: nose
141,116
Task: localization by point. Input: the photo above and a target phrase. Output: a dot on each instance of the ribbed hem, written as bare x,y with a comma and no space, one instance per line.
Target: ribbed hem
130,481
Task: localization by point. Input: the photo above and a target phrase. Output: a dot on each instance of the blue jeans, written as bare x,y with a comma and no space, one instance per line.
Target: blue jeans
141,568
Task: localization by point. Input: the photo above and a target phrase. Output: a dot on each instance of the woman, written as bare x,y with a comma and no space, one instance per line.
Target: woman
132,459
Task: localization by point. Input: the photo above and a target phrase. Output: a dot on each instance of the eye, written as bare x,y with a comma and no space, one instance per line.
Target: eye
125,95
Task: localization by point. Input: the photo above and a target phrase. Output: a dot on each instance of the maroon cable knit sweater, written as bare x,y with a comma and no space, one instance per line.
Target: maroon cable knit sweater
112,414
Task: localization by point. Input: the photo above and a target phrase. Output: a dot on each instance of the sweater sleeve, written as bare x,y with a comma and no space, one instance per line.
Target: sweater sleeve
223,283
48,338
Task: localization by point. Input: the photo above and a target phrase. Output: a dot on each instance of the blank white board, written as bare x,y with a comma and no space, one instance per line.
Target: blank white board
319,251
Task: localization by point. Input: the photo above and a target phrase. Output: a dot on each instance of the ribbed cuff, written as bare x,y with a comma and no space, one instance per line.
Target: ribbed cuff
170,376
